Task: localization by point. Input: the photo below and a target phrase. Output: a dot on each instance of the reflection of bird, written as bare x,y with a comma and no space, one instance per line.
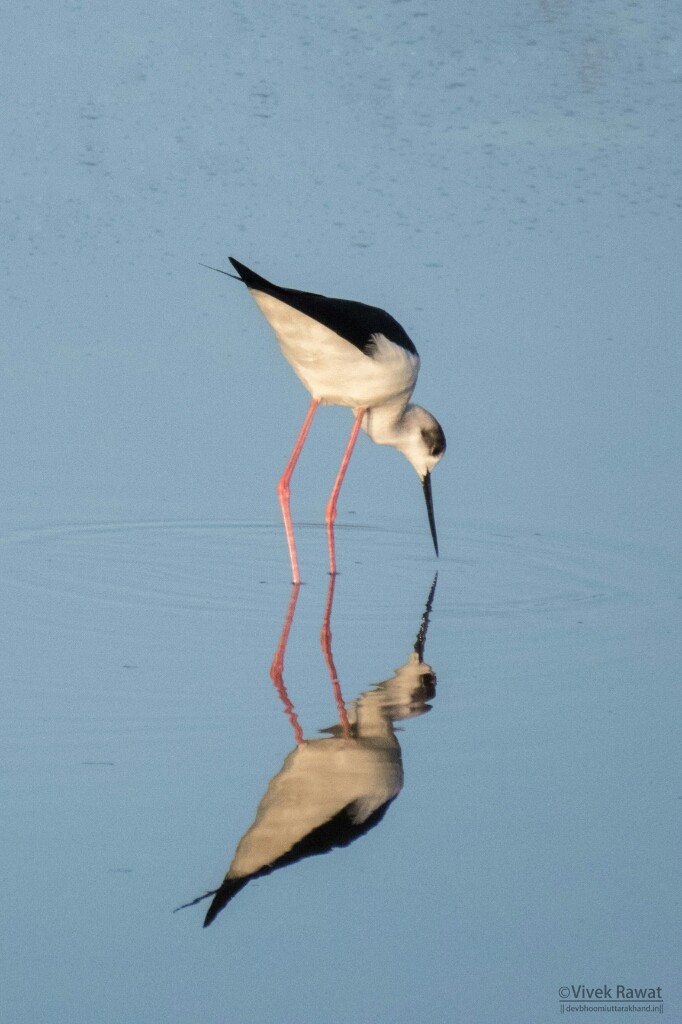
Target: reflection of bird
331,791
347,353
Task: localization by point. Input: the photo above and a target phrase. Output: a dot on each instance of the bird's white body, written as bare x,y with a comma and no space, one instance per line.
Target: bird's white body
338,373
334,371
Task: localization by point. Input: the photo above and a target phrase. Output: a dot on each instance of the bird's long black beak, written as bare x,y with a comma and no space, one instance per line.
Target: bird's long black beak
426,484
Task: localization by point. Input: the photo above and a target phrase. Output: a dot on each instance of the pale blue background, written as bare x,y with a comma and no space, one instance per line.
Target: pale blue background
504,178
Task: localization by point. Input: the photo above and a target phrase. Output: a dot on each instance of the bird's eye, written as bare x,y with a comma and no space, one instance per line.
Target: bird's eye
434,440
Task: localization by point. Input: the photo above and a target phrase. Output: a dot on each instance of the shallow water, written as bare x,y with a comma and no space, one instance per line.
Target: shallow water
505,181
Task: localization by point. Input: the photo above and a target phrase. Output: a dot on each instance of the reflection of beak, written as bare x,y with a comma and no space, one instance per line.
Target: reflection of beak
426,484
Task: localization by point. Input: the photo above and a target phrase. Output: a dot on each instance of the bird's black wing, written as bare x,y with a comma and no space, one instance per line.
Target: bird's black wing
341,830
354,321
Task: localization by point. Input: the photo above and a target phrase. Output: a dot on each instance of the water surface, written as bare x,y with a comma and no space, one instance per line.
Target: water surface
505,180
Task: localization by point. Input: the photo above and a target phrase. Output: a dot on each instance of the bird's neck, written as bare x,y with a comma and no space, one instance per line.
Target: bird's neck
386,424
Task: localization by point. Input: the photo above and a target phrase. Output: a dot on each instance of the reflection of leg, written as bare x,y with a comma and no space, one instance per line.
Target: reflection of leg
284,490
326,641
277,667
333,498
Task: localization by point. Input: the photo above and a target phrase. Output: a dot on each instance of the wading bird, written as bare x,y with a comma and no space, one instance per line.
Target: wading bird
348,353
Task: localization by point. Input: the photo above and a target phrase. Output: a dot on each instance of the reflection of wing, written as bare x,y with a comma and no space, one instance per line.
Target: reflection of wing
317,781
328,793
341,830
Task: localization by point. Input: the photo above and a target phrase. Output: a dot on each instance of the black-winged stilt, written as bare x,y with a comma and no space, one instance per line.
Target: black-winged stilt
348,353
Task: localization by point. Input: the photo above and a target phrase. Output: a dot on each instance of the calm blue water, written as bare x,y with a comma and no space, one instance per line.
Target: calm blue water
144,730
507,183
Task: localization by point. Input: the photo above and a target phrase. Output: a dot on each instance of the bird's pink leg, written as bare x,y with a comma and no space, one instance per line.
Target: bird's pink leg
277,667
333,498
284,489
326,641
